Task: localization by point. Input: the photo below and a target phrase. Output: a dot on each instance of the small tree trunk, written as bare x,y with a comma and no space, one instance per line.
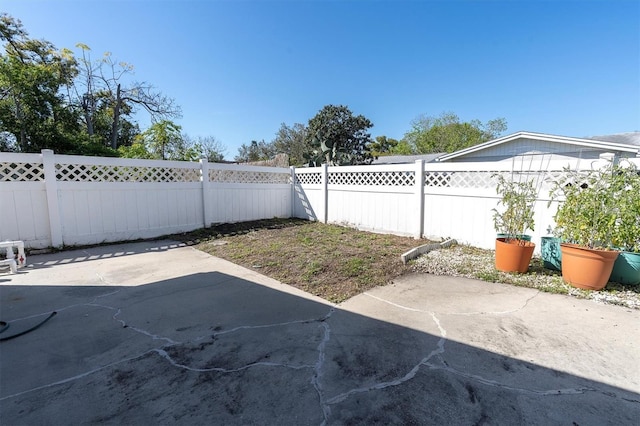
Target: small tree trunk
87,107
116,120
22,143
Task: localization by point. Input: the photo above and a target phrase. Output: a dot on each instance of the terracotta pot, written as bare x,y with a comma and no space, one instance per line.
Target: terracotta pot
513,256
586,268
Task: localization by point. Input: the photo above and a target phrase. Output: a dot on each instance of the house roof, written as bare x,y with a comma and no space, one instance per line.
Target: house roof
405,159
599,143
629,138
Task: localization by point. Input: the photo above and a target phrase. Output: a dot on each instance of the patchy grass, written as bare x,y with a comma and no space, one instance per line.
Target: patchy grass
472,262
330,261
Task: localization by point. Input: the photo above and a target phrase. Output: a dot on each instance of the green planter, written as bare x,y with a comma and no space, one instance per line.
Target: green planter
626,270
551,255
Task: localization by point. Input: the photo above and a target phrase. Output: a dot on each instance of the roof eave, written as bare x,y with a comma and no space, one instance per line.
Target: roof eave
591,143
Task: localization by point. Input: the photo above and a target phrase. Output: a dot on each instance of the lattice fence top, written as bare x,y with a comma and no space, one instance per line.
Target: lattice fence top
107,173
398,178
309,178
543,180
460,179
246,176
21,172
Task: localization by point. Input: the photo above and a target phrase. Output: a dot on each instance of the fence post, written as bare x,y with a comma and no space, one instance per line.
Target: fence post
325,193
419,191
293,191
204,178
51,191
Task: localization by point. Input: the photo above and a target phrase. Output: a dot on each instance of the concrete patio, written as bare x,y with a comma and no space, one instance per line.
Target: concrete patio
158,333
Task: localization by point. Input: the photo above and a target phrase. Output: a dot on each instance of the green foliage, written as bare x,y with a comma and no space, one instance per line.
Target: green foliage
136,150
32,75
626,187
382,145
164,140
337,137
255,151
517,199
403,148
447,133
107,99
51,99
599,208
208,147
291,141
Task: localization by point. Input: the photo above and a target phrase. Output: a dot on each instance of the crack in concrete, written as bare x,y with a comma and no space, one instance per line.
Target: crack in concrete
250,327
406,308
317,370
493,383
131,327
173,362
526,302
65,308
76,377
440,351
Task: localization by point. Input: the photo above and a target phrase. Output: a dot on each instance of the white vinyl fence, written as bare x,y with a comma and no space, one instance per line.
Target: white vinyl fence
433,200
54,200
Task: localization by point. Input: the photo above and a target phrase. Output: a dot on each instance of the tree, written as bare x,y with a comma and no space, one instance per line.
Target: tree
164,140
255,151
291,141
208,146
32,109
337,137
101,93
383,146
403,148
447,133
137,149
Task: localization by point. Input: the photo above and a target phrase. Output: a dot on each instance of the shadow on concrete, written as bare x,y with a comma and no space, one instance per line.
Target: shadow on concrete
211,348
100,252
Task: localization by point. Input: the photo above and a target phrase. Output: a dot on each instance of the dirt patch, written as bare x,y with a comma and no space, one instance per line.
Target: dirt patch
330,261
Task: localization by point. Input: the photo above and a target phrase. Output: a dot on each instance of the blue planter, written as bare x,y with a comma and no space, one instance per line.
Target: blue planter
551,255
626,270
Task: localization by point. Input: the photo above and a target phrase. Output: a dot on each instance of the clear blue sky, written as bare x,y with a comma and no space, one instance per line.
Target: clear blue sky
241,68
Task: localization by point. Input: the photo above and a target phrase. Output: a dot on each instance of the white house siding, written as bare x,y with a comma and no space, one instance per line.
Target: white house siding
524,146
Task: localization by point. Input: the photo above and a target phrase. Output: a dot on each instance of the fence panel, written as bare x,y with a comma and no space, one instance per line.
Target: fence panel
377,198
460,197
115,199
308,194
92,213
241,193
23,201
50,200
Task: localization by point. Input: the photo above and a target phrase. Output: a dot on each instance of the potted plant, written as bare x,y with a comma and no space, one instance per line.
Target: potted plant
626,235
512,218
585,222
